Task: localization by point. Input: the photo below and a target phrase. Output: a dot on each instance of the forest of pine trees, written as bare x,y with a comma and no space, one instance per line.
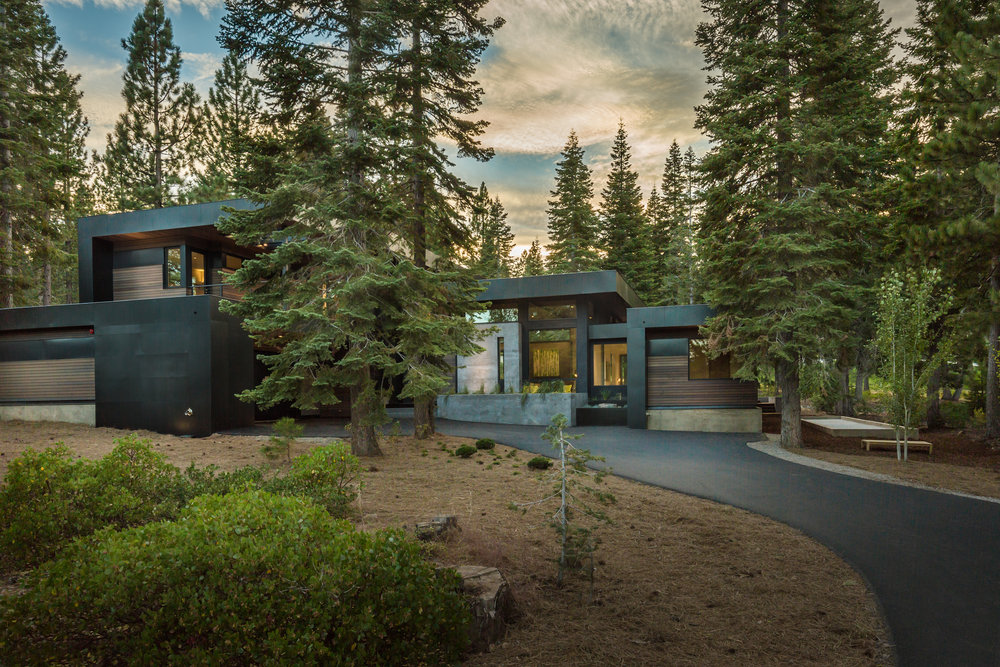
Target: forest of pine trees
828,161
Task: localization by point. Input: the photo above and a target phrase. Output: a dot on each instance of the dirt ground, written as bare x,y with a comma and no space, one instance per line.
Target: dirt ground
679,580
962,460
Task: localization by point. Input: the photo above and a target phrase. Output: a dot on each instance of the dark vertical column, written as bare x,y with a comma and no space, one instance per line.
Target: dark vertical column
636,350
522,320
582,347
185,267
97,272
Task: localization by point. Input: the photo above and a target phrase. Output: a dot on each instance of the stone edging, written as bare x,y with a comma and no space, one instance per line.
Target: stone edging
772,448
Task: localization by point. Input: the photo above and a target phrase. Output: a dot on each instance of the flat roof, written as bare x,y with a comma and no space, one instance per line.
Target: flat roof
560,285
157,219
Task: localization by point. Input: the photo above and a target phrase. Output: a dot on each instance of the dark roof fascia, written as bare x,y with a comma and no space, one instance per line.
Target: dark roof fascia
560,285
157,219
657,317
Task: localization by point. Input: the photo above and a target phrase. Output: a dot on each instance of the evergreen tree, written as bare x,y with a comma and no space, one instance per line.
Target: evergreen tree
572,222
149,153
41,136
492,237
671,233
624,235
951,196
358,307
436,93
531,262
797,114
230,119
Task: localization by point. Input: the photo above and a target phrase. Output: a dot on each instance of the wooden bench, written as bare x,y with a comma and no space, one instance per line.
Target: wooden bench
914,445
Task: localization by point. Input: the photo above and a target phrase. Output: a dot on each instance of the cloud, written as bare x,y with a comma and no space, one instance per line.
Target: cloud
558,65
204,7
199,69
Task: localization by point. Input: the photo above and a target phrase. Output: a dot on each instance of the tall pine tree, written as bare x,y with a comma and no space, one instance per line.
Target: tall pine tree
671,233
572,222
230,119
41,161
531,262
952,181
624,233
149,154
436,94
492,238
796,114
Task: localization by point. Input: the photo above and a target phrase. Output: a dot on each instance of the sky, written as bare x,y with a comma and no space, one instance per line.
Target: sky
555,66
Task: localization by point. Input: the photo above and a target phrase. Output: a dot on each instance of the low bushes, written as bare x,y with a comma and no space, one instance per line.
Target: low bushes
540,463
485,443
955,414
249,577
465,451
50,498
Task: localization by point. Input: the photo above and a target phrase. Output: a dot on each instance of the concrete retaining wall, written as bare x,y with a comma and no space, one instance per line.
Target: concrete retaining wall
721,420
74,413
527,409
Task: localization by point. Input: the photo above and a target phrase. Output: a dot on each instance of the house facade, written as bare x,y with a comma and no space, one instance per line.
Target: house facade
590,336
149,347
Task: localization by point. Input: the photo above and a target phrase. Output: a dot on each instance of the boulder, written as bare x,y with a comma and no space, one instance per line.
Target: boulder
491,605
436,528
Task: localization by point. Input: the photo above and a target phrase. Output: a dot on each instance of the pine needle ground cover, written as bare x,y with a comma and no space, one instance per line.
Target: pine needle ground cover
679,580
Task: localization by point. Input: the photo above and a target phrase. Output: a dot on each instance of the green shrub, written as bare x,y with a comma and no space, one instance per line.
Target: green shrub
540,463
330,475
246,578
485,443
465,451
955,414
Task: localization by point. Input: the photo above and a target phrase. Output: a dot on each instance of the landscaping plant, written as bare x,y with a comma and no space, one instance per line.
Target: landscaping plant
286,431
246,578
907,308
574,519
465,451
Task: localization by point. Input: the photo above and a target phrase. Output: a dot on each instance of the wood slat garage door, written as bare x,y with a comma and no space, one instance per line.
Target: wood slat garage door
667,386
47,380
141,282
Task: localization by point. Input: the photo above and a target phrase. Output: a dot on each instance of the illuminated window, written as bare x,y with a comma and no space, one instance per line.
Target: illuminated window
232,262
553,355
198,272
172,267
702,367
610,364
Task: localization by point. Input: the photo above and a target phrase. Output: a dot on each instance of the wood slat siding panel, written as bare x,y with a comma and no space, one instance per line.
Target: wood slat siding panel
47,380
46,334
141,282
668,386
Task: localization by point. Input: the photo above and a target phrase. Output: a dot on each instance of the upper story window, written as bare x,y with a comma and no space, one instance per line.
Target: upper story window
551,311
702,367
231,262
171,267
198,272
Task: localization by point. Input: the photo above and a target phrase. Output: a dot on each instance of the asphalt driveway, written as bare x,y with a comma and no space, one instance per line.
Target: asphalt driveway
933,559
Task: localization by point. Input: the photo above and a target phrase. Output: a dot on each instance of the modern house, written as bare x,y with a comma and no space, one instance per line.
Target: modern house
589,337
148,346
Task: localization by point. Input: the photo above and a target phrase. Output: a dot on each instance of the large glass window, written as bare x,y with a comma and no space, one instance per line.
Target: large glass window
610,364
500,364
171,267
702,367
553,355
551,311
198,272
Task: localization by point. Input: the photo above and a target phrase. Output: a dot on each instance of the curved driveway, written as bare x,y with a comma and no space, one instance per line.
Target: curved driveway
933,559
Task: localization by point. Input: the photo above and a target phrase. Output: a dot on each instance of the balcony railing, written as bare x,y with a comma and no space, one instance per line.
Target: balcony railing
225,291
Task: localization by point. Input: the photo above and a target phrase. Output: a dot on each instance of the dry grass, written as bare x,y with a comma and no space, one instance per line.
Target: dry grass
679,581
962,460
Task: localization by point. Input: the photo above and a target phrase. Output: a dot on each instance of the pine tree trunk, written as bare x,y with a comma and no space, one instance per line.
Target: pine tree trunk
364,439
845,406
934,419
47,284
993,348
423,418
787,377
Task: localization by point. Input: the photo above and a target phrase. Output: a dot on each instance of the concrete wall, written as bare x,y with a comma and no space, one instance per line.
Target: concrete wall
74,413
479,372
528,409
706,420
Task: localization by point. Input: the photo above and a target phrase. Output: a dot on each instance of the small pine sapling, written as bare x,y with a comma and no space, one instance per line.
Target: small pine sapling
575,519
286,431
